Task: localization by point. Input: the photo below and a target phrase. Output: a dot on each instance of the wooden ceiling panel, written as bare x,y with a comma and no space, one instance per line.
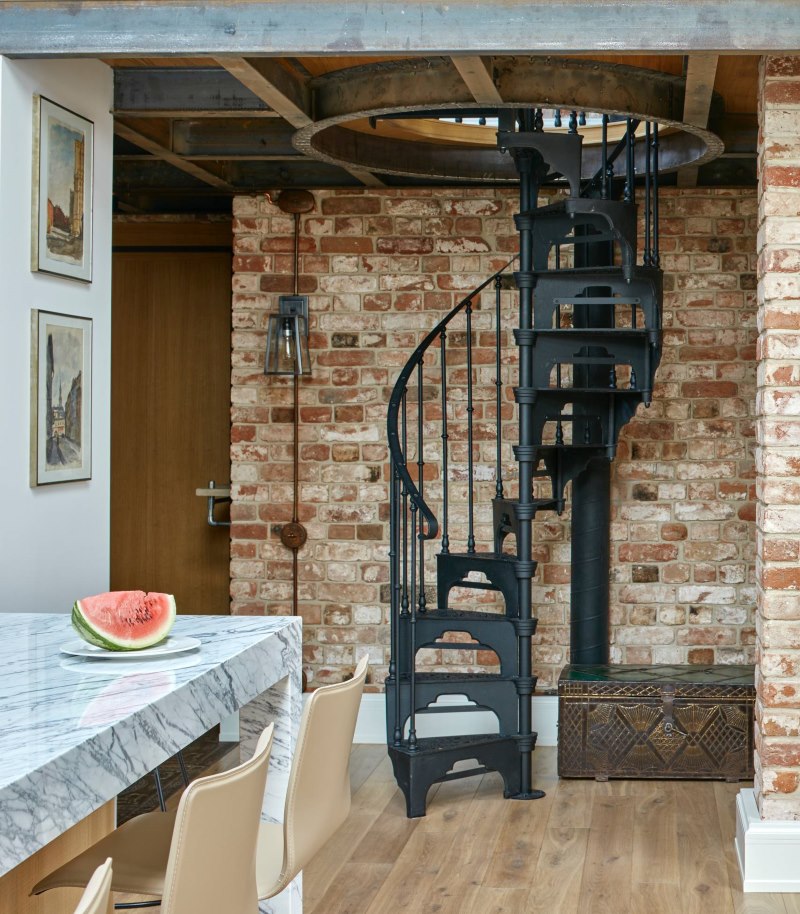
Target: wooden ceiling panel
319,66
737,82
663,63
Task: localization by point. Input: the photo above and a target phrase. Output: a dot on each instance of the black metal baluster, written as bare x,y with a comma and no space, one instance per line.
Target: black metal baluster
628,194
656,255
498,486
604,160
470,456
538,121
421,601
647,260
412,658
573,122
394,572
404,507
445,438
412,637
557,117
558,317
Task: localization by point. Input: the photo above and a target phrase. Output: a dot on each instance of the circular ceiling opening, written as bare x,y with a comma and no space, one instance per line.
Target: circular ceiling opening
417,118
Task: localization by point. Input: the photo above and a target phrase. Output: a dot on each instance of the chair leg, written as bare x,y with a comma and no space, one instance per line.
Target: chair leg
184,770
127,905
162,802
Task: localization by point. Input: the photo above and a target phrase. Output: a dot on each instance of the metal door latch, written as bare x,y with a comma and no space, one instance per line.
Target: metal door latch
215,495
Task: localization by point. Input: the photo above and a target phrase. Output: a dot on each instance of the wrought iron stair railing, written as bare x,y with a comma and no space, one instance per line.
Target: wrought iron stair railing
420,581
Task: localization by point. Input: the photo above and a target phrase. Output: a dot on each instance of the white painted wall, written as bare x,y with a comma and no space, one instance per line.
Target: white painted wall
54,540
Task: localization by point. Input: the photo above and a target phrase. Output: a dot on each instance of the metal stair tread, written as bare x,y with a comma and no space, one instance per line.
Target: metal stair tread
444,743
483,556
540,504
598,446
610,272
635,332
579,391
461,615
581,205
457,677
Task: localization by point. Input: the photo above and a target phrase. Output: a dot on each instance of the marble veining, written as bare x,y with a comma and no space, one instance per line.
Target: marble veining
71,738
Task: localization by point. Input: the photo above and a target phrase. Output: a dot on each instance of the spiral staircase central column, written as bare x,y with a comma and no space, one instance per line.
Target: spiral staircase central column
532,170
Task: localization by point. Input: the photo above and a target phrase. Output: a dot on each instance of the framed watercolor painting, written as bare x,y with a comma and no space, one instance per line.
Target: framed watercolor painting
62,191
61,398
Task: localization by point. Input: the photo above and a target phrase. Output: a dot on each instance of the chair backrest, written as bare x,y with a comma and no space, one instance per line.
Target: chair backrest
318,796
96,898
212,858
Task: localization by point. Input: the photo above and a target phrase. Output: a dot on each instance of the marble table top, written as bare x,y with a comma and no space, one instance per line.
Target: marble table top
74,733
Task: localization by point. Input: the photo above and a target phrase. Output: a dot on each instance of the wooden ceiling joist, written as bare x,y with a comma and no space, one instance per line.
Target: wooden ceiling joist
701,71
285,93
477,75
167,155
184,92
273,84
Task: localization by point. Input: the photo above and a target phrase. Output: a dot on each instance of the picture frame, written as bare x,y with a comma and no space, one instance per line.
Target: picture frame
63,175
61,398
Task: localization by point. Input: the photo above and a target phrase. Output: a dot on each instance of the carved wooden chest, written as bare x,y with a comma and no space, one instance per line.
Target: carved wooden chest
631,721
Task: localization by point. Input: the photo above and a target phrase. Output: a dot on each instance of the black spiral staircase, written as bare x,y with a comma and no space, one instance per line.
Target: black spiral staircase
588,346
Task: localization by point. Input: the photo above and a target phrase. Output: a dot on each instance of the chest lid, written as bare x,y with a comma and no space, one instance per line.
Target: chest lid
639,681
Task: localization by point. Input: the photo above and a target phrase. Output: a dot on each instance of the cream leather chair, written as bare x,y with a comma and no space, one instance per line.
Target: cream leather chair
198,859
97,897
317,803
318,798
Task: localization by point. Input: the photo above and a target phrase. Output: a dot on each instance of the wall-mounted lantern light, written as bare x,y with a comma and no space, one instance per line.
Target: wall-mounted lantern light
287,338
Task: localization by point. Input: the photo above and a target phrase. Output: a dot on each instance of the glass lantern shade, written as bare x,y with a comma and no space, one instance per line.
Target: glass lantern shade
287,338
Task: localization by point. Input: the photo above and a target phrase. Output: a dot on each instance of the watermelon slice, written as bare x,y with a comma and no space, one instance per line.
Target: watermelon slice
124,620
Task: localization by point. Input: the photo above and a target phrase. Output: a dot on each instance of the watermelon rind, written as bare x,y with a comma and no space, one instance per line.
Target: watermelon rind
91,632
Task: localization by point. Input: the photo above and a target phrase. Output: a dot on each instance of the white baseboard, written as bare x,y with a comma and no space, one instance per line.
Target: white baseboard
371,724
768,851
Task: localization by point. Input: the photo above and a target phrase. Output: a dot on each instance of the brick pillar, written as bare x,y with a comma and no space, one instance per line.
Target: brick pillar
778,454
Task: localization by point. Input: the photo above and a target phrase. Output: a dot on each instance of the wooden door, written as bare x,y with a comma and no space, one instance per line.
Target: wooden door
170,424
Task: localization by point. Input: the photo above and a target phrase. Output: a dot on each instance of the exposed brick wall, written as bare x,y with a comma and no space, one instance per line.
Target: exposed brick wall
381,268
778,454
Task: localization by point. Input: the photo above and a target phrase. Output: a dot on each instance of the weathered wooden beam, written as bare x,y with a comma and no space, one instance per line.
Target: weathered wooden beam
700,74
242,28
368,178
232,138
284,93
162,152
477,75
273,84
132,176
184,91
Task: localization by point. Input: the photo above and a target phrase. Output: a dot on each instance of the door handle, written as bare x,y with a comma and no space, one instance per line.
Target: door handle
215,495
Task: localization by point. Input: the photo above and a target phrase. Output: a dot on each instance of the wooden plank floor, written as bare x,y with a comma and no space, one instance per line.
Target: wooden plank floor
622,847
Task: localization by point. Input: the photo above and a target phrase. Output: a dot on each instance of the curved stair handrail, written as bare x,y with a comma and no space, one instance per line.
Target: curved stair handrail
398,458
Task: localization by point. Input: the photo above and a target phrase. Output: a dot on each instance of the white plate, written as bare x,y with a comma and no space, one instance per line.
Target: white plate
100,666
78,648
